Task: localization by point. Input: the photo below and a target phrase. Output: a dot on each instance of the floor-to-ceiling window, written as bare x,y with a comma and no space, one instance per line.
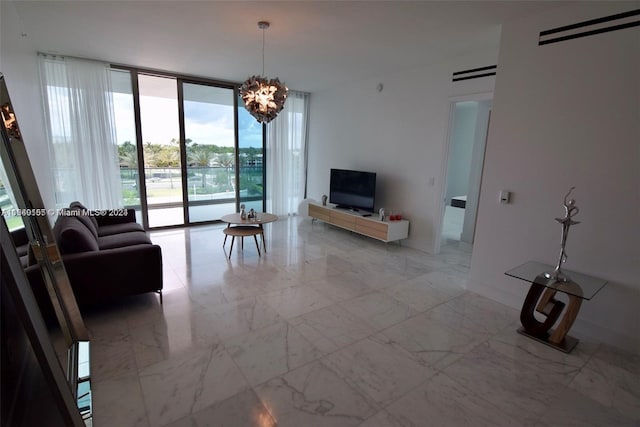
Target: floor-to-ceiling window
251,162
179,150
159,123
202,153
210,140
126,138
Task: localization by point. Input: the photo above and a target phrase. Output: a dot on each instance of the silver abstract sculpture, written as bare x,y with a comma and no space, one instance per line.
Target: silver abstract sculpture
570,210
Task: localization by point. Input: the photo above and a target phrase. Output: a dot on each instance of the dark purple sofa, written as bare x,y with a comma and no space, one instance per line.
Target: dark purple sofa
107,256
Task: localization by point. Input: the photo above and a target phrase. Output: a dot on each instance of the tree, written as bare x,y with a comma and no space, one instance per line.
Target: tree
126,147
149,159
129,159
226,161
252,155
168,157
201,157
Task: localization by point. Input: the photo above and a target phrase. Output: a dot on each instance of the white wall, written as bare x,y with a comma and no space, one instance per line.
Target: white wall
460,149
566,114
398,133
18,61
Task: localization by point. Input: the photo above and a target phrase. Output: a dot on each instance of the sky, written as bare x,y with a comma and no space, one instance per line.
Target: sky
204,123
208,110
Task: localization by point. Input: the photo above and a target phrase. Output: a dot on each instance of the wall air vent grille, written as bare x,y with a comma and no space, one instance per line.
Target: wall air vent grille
592,27
474,73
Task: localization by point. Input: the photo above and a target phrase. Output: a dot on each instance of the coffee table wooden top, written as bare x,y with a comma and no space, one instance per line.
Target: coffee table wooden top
262,218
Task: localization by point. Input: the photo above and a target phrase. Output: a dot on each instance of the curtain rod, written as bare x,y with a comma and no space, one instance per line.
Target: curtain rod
146,70
63,57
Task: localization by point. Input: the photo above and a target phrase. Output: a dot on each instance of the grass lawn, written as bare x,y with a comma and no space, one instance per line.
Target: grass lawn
14,222
164,192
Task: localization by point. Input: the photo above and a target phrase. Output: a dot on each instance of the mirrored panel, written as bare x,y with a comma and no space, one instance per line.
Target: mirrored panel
28,223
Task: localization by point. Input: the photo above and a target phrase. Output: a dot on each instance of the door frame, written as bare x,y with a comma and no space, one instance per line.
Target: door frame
444,161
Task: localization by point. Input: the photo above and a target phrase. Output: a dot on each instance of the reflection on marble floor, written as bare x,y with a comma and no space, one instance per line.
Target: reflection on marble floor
331,329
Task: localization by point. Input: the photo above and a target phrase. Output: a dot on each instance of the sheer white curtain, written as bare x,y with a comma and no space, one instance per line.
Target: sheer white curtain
78,106
286,155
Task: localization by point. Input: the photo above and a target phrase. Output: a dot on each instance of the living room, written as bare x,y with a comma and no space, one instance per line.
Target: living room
564,114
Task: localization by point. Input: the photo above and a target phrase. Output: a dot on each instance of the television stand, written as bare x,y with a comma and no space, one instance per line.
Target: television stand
386,231
346,208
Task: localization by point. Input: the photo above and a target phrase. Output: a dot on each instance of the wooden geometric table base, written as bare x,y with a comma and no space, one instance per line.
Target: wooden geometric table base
542,300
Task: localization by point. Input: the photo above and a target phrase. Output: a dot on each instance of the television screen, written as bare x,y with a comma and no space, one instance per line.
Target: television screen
352,189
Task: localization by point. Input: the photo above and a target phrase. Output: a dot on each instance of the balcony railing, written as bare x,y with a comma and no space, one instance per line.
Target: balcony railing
205,185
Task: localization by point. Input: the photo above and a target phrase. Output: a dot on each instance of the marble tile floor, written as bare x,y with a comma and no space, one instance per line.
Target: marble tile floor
332,329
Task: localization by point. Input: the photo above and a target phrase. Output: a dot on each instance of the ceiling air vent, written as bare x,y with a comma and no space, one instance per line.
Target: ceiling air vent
592,27
474,73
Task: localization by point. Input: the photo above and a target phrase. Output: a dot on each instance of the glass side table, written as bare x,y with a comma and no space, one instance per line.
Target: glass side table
541,299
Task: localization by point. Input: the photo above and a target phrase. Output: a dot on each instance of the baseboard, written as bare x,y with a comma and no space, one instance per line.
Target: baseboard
586,330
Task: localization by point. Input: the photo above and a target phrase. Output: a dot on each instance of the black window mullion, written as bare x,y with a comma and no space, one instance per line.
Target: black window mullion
264,167
183,151
236,150
142,183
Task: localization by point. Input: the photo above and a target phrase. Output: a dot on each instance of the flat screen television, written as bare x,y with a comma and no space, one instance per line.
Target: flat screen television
351,189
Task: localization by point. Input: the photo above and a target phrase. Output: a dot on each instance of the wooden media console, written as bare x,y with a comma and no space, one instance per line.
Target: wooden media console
386,231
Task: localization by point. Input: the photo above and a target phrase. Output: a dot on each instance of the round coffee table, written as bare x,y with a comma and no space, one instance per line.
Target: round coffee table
238,227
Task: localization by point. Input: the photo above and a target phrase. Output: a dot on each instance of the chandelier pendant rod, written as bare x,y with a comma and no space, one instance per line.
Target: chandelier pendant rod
263,98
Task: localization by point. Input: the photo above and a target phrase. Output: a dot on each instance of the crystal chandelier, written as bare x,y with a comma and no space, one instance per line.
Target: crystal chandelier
263,97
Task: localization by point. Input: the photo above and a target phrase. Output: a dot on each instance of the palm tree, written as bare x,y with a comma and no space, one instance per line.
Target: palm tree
168,158
226,161
149,159
129,159
202,158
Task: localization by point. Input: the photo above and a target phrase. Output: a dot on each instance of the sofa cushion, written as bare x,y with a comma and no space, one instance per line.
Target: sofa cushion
73,236
22,250
87,220
77,205
23,254
125,227
83,209
123,239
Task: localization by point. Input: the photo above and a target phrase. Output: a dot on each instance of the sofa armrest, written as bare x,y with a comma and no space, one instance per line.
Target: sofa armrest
114,216
112,273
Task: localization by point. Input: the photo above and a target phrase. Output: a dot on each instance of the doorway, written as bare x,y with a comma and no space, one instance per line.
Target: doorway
465,160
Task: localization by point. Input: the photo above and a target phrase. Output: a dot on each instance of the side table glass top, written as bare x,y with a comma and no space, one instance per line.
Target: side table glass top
581,285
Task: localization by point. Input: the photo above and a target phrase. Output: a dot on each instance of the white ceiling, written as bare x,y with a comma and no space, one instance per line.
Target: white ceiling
311,45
